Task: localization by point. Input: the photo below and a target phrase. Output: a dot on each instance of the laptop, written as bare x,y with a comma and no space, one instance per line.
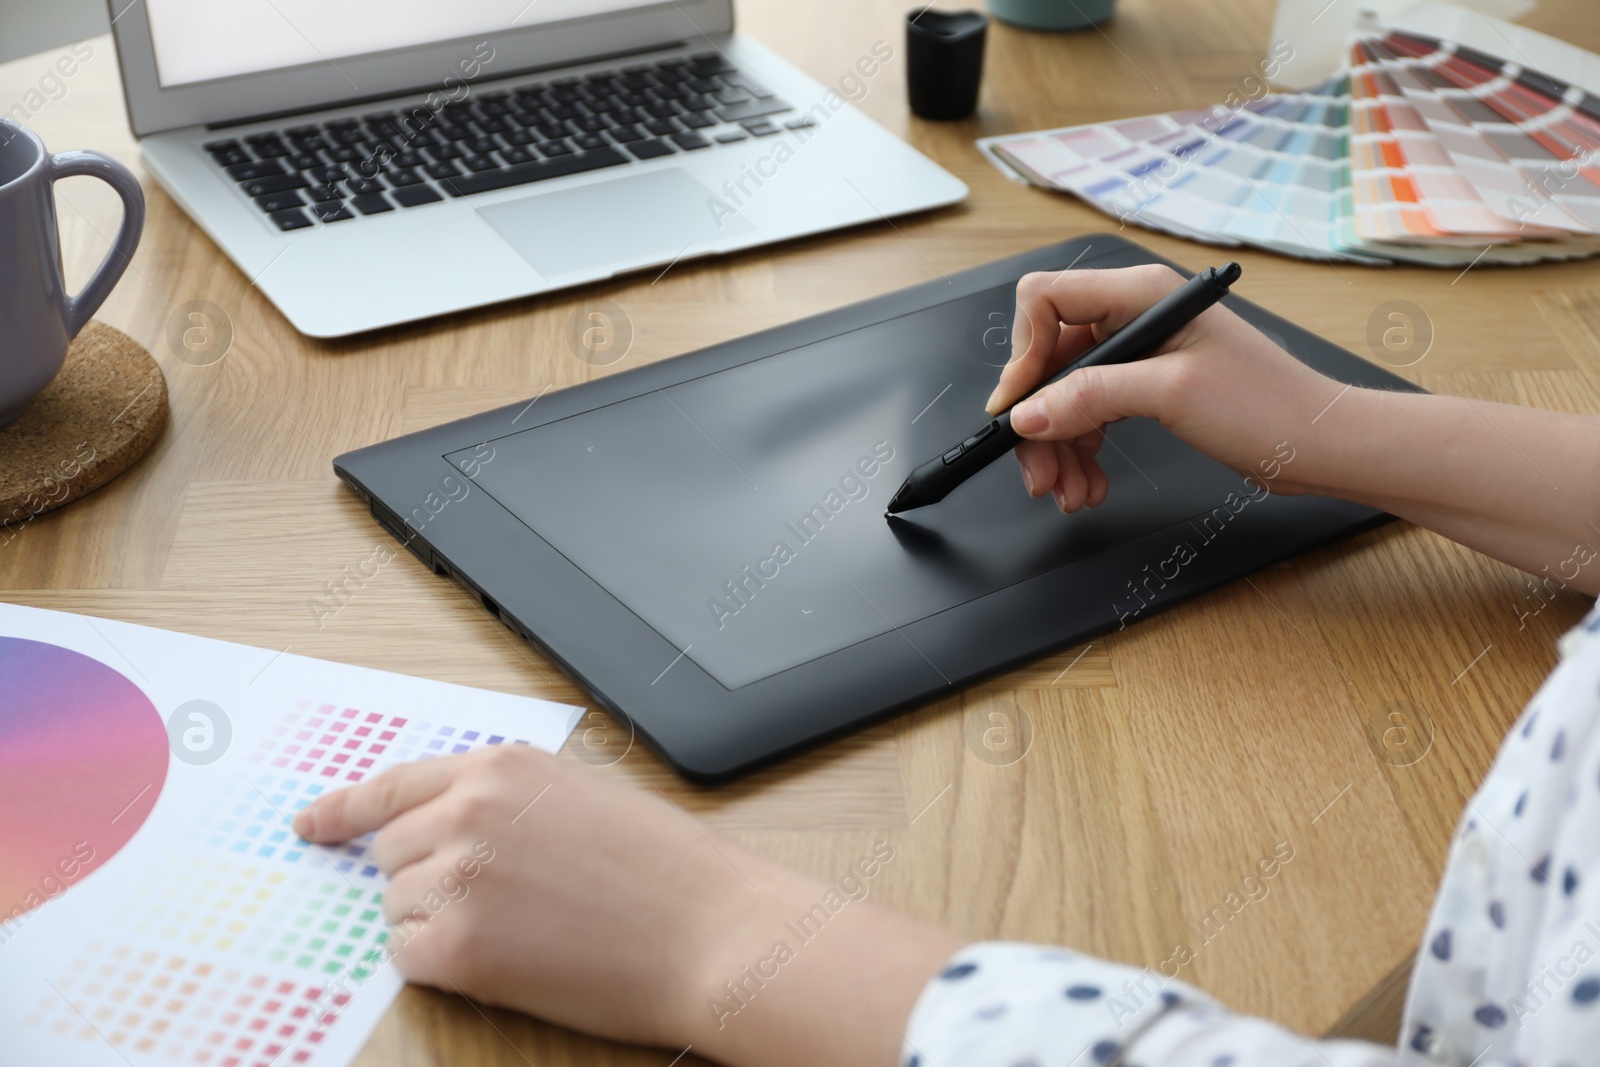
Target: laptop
368,164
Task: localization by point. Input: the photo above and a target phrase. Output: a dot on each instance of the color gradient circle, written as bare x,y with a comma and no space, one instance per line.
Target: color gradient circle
83,755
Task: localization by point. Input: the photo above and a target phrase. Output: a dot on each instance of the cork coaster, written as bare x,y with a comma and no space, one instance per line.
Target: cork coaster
100,414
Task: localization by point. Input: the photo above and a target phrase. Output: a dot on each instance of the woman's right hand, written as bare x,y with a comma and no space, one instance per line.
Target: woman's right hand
1219,384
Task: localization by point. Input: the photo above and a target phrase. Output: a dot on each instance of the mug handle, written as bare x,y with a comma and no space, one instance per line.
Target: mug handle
64,164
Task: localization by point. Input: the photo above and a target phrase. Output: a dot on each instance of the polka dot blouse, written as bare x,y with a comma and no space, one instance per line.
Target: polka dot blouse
1508,973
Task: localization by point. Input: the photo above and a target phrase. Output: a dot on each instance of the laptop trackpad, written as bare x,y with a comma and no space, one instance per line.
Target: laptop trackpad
639,220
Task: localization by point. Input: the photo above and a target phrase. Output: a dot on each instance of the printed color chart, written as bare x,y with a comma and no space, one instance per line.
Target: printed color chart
210,934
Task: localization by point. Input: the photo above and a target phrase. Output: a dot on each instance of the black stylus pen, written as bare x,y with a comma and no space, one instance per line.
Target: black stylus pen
938,478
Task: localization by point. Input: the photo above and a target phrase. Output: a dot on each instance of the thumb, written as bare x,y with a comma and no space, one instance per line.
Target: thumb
1087,400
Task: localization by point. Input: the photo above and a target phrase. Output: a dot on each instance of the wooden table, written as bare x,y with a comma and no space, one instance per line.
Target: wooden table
1165,761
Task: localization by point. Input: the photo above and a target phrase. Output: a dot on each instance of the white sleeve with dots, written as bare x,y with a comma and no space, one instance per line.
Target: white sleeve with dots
1509,972
1002,1004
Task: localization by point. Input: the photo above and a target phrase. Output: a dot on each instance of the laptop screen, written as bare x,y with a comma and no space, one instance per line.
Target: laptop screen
202,40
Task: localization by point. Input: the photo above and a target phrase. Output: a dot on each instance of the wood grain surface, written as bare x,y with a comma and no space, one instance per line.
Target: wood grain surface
1164,761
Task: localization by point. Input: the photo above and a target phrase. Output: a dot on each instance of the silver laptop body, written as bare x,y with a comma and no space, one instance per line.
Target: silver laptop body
362,178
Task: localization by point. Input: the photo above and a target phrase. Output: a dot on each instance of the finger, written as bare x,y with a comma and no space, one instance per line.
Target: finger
432,953
1098,483
408,838
412,958
1086,400
1040,345
1072,342
1097,301
404,928
352,812
422,962
1025,331
403,897
1072,485
1038,460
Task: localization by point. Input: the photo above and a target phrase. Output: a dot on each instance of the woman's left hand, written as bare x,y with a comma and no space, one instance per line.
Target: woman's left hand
520,881
524,883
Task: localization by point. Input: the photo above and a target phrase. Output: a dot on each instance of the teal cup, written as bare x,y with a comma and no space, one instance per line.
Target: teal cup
1052,14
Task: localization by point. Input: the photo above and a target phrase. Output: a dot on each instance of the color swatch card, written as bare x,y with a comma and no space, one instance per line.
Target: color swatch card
155,905
1271,172
1527,143
1422,151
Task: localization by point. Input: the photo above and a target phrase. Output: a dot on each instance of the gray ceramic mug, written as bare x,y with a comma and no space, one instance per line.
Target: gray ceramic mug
38,320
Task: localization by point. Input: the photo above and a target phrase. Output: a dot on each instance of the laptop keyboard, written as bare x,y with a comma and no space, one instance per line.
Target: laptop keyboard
493,139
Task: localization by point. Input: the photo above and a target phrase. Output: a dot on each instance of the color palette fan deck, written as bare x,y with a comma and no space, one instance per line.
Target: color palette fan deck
1422,151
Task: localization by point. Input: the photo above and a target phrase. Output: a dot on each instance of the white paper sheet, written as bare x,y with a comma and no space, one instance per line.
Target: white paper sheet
180,920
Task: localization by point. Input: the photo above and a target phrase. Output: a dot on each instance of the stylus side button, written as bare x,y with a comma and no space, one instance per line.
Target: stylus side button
972,442
953,455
